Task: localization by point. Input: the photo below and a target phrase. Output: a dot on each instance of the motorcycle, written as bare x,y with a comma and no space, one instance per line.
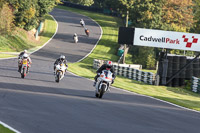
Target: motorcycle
103,83
60,72
82,23
24,68
87,33
75,39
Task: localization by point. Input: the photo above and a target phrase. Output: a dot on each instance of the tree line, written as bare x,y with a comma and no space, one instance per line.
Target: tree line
169,15
26,14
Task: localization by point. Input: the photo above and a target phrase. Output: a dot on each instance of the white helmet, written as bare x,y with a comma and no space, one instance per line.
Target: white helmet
109,64
75,34
25,55
25,51
62,57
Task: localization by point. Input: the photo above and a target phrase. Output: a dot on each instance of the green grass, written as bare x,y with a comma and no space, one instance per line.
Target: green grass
107,49
19,39
5,130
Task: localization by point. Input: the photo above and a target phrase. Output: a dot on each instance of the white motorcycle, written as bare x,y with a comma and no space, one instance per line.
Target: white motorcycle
60,72
76,39
103,83
82,23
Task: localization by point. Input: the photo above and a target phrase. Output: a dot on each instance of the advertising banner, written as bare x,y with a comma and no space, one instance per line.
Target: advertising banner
166,39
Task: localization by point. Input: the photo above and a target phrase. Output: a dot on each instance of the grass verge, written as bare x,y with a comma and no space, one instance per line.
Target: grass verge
107,50
5,130
21,39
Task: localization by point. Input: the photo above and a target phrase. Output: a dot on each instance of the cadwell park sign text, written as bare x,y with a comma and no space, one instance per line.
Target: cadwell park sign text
166,39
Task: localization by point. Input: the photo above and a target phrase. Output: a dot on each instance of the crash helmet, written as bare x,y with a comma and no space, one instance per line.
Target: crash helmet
75,34
62,57
108,65
25,56
25,51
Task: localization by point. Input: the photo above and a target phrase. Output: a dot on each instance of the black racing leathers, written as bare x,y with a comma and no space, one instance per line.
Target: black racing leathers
103,67
20,55
59,61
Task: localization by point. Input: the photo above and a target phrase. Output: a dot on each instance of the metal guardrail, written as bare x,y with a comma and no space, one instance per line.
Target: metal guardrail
129,72
195,84
120,58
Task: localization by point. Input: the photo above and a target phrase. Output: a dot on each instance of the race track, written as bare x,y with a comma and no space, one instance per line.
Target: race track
37,104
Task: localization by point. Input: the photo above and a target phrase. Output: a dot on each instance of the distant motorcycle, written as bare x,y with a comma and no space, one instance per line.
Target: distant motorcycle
24,67
60,72
103,83
82,23
75,39
87,32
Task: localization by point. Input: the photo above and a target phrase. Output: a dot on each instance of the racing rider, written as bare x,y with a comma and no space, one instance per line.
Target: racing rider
107,66
60,60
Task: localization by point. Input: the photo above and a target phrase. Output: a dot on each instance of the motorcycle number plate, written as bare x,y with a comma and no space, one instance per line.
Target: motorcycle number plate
24,61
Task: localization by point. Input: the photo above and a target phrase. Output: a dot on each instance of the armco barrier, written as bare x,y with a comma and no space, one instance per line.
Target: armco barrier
129,71
195,84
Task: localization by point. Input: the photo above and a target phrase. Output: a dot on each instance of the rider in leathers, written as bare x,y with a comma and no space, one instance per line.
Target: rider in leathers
107,66
60,61
20,57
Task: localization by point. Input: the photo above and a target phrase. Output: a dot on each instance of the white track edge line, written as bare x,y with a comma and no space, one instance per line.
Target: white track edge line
120,88
97,40
142,95
50,38
5,125
42,45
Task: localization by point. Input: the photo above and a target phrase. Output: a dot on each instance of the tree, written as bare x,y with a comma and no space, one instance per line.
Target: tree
6,18
147,14
28,13
196,11
99,3
177,15
83,2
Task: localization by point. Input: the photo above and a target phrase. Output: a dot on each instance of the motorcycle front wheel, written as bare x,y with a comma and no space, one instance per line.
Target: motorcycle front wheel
102,90
58,77
23,74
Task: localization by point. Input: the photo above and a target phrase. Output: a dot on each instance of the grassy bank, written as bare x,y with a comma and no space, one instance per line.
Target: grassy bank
107,49
5,130
21,39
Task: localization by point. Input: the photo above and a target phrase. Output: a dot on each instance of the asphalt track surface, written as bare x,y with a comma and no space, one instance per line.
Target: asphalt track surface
37,104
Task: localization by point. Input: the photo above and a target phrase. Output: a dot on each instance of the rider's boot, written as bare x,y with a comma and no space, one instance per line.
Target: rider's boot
94,83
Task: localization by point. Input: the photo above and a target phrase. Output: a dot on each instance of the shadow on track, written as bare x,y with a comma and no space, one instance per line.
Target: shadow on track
42,90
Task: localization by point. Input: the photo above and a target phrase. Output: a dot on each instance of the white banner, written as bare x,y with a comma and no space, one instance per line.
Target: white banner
166,39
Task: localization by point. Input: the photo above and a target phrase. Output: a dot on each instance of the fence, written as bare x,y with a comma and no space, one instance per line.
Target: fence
195,84
129,71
